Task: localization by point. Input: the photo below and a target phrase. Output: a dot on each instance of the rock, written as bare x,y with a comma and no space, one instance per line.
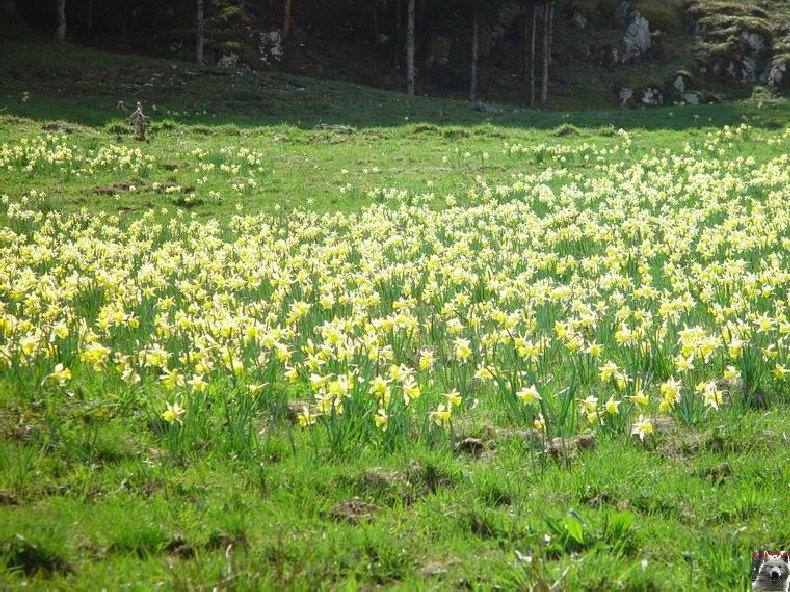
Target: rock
778,77
749,70
180,548
270,47
58,127
765,75
637,39
567,448
353,511
229,60
652,96
753,40
663,425
691,98
473,446
556,448
625,95
623,10
295,408
679,84
586,441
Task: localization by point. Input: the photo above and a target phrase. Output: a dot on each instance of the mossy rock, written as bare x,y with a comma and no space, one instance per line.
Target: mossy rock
663,15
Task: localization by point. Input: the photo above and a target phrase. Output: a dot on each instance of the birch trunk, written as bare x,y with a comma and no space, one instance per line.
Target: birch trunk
473,79
199,41
60,32
399,38
410,50
532,56
286,19
544,90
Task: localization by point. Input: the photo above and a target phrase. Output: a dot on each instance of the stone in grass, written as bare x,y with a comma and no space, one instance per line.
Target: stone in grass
7,498
663,425
567,448
353,511
472,446
382,479
295,408
178,547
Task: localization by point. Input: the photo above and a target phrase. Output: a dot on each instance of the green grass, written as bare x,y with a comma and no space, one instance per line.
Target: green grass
97,490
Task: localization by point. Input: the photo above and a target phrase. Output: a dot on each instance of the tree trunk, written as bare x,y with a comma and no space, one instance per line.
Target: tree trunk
199,33
544,90
551,27
60,32
89,19
9,9
533,56
286,19
399,36
473,79
410,51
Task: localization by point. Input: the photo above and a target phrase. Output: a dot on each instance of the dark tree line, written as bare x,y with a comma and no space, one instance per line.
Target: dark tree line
416,32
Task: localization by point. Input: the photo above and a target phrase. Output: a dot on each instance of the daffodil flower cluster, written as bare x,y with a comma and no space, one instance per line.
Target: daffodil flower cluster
611,298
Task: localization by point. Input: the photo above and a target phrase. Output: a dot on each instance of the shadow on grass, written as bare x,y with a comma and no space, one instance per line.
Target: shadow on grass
43,81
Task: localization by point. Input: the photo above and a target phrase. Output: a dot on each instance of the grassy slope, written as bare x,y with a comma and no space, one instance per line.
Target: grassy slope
394,141
101,508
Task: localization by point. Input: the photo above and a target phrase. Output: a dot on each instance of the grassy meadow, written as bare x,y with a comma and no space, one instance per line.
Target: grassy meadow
316,336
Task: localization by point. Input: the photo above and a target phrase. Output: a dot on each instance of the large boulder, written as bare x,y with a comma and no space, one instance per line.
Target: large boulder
270,47
690,98
637,39
625,95
779,75
652,96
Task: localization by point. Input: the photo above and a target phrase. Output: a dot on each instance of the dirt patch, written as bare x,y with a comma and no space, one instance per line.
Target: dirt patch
7,498
405,485
180,548
114,189
378,478
32,559
58,127
354,511
336,128
476,447
566,449
680,446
